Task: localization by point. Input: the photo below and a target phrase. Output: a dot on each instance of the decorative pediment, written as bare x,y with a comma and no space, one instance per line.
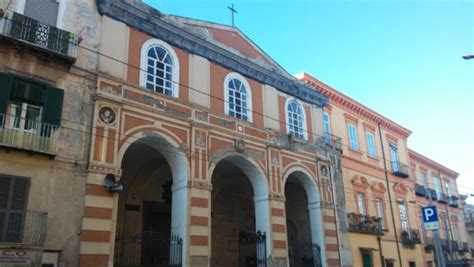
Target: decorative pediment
378,187
360,181
401,188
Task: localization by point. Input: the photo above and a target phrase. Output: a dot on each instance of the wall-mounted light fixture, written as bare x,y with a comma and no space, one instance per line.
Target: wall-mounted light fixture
112,185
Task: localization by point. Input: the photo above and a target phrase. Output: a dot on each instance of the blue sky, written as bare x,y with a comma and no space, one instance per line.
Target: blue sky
401,58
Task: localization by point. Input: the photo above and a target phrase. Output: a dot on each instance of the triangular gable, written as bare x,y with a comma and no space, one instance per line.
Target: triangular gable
231,39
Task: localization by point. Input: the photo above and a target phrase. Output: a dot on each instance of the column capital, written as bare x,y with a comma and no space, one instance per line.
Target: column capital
314,205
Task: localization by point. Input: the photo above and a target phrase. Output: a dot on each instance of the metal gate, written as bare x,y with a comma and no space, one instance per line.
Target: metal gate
252,249
148,249
304,255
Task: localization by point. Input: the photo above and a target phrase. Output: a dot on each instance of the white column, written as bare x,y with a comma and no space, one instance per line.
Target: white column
317,234
262,219
179,213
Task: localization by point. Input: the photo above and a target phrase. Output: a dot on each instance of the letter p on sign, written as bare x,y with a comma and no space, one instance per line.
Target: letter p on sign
430,217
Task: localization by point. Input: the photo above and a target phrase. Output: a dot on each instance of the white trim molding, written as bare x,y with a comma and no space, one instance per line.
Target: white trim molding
237,76
144,60
304,122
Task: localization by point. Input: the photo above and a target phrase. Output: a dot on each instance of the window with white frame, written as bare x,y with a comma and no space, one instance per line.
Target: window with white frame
371,144
447,189
361,203
379,208
25,116
403,215
327,128
394,156
238,97
437,186
159,68
295,119
353,140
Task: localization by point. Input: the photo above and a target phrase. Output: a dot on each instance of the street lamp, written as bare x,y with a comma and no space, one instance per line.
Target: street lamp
466,57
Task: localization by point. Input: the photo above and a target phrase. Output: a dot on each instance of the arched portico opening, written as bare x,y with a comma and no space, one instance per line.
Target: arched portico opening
151,214
304,221
239,213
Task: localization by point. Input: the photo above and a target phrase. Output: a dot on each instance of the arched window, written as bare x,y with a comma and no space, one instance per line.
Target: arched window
159,68
295,119
238,97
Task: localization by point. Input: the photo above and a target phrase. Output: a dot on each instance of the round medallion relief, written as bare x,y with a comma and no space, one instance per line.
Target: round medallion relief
107,115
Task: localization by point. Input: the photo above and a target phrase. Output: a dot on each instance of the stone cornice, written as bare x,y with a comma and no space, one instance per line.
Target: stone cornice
417,157
351,105
149,20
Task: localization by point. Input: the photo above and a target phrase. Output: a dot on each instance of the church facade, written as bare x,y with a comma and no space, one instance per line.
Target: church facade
219,151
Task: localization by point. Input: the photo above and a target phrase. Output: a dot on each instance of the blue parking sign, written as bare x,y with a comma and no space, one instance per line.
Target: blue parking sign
430,217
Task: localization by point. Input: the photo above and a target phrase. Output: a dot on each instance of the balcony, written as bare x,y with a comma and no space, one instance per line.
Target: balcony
429,244
443,198
40,36
29,135
410,238
420,190
453,201
444,244
364,224
464,247
429,191
19,227
400,169
454,245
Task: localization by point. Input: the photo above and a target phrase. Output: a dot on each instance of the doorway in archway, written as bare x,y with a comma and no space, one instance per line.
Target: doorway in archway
232,217
301,248
143,233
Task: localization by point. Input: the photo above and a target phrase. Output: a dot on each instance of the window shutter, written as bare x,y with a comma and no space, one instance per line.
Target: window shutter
5,87
27,91
45,11
53,106
19,194
4,189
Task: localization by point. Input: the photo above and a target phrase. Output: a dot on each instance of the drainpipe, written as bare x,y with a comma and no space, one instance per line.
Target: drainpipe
89,149
382,258
449,229
389,195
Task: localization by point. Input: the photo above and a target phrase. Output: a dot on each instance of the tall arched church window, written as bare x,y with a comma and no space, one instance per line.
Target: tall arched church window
295,119
238,97
159,68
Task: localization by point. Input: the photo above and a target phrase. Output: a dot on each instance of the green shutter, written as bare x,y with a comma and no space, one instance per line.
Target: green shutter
53,106
5,87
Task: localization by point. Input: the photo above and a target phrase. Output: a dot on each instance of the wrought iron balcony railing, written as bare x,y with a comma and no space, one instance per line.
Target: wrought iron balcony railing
410,237
444,244
420,190
23,227
365,224
464,247
443,198
39,34
453,201
429,244
429,191
29,135
400,169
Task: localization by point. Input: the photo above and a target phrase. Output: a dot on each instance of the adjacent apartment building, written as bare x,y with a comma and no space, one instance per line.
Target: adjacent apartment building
385,186
46,83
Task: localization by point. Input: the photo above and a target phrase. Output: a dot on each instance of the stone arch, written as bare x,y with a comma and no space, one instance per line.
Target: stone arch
304,177
168,146
256,175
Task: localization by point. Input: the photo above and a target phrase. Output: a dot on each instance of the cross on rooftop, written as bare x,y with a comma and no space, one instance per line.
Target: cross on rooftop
232,11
